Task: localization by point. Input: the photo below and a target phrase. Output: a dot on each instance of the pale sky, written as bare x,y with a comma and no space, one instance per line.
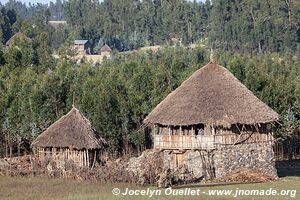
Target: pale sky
38,1
31,1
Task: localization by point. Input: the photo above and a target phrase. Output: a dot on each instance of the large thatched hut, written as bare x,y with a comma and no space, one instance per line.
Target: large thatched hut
71,137
213,125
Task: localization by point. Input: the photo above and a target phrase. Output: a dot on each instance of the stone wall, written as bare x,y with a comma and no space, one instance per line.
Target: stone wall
190,164
255,156
221,162
241,162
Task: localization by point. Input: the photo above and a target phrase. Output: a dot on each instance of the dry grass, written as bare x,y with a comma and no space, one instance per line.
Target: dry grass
41,188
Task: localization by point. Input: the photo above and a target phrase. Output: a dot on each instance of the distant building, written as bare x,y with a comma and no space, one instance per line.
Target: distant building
82,46
55,24
105,50
174,40
18,35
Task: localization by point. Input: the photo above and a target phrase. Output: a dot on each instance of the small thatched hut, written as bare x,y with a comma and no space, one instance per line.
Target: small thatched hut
213,116
71,137
18,35
105,50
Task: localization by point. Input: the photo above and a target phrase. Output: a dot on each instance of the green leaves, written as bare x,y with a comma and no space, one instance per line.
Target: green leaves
254,26
118,94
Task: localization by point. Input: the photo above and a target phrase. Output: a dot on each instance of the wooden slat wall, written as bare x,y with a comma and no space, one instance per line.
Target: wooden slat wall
80,157
207,141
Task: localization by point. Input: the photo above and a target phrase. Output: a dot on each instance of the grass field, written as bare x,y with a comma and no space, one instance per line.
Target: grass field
13,188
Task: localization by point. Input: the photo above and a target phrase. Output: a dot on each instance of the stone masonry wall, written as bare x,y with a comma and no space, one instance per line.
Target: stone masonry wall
191,163
256,156
224,161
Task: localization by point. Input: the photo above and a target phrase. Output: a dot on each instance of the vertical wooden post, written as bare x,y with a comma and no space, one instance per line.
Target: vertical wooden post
95,152
180,135
80,157
84,159
88,158
54,153
10,151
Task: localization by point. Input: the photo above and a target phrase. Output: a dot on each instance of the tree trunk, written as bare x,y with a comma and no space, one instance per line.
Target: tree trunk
289,9
259,48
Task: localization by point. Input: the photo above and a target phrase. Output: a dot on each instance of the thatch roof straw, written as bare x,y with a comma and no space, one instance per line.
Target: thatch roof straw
72,130
212,95
17,35
105,48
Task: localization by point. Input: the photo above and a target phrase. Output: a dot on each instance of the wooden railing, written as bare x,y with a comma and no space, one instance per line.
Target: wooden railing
206,141
183,142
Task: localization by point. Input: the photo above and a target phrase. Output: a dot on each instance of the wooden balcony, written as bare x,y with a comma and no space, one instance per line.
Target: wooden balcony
207,141
183,142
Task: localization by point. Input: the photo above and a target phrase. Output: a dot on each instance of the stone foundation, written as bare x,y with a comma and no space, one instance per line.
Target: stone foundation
190,164
221,162
256,156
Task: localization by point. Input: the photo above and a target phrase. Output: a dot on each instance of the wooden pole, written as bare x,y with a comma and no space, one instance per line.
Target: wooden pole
84,159
88,158
94,159
6,149
10,151
80,157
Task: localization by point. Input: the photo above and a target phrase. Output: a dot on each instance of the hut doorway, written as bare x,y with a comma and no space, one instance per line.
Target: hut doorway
178,159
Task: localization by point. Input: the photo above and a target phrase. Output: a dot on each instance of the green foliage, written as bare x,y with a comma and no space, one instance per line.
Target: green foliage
7,19
130,24
255,26
37,89
118,94
247,26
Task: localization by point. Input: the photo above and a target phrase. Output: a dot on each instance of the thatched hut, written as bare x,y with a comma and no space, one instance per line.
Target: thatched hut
16,36
105,50
213,116
71,137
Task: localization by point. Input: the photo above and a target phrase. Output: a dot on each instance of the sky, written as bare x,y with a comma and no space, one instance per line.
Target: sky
27,1
36,1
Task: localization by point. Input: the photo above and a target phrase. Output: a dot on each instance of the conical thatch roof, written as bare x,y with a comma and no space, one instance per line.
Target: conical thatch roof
17,35
212,95
105,48
72,130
